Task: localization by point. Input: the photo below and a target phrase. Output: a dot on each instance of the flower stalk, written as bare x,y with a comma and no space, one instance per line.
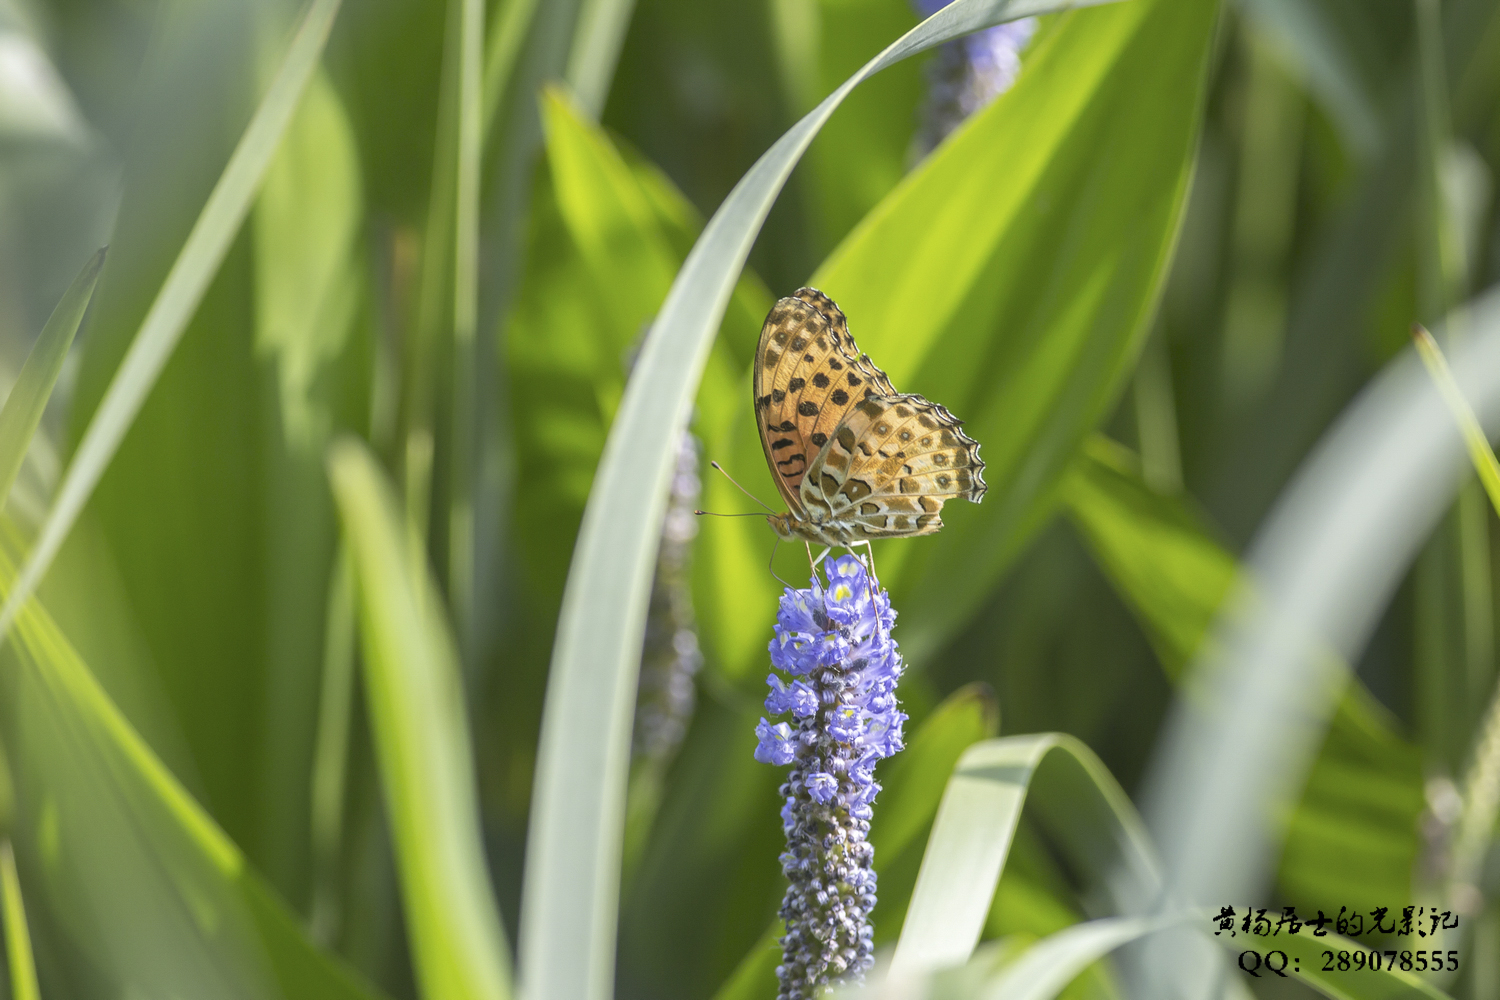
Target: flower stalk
834,643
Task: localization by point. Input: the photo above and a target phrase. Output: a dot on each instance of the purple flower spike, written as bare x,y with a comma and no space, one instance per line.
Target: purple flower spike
835,642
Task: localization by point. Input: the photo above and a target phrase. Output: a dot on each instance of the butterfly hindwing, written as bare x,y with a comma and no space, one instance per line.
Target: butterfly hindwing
808,375
889,467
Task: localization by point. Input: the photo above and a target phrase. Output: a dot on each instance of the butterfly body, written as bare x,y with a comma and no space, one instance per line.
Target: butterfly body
854,459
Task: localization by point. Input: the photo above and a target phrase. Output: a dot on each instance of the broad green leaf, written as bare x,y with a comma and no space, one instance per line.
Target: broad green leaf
1012,277
632,230
1352,838
971,837
17,935
571,886
121,866
1157,553
865,150
422,742
28,397
177,300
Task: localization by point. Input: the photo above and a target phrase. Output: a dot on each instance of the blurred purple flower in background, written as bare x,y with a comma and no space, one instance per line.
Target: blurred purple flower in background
968,73
835,642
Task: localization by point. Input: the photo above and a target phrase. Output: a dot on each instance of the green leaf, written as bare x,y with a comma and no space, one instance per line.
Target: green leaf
178,298
1154,549
571,885
28,397
1352,839
121,865
17,936
422,742
1012,277
1084,807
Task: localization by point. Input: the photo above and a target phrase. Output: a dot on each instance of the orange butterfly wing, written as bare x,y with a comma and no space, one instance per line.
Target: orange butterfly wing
808,375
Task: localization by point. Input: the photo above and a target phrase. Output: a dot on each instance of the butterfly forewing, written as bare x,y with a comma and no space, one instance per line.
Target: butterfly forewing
808,375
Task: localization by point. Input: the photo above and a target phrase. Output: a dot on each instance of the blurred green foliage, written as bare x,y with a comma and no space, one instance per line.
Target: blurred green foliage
1149,276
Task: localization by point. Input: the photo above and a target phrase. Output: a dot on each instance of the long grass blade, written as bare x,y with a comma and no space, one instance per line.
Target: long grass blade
28,397
180,294
571,888
597,40
422,743
470,153
23,985
974,829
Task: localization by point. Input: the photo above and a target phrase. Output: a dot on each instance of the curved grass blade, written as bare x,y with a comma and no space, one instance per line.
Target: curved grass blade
572,880
28,397
1051,964
17,937
977,822
422,742
180,294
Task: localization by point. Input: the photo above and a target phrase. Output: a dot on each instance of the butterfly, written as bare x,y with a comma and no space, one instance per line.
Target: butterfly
853,458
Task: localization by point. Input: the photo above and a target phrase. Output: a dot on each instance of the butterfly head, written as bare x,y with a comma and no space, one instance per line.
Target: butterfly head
782,525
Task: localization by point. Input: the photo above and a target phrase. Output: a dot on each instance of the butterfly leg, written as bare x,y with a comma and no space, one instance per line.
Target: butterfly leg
870,576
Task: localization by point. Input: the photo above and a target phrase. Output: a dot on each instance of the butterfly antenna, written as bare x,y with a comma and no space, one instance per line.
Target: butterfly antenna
772,564
742,489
